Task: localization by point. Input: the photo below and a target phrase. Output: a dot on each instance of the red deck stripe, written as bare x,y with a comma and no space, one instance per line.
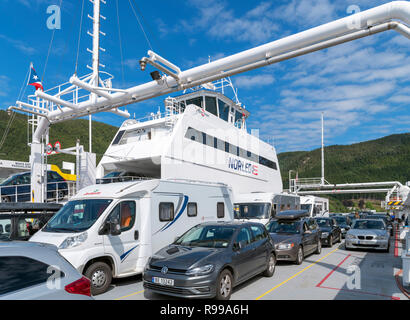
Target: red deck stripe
334,269
396,242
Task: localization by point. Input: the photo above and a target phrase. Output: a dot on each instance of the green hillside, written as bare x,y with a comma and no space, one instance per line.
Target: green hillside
15,146
384,159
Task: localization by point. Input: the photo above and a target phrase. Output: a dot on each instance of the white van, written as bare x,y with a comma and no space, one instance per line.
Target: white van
316,206
111,230
262,206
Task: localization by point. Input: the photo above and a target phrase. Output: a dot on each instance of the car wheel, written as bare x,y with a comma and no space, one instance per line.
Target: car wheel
300,256
270,269
339,240
224,285
319,247
330,241
100,276
5,199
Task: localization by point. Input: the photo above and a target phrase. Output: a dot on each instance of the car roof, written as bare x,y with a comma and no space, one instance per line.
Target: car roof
235,223
292,215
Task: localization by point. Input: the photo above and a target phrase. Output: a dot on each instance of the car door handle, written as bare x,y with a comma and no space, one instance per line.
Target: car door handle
136,235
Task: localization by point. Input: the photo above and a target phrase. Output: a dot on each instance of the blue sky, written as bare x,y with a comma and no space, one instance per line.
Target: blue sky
362,86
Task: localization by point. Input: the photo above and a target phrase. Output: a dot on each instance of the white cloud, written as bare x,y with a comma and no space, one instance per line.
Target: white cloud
247,82
20,45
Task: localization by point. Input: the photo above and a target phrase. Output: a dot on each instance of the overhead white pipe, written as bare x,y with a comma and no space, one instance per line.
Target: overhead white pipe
334,191
56,100
332,33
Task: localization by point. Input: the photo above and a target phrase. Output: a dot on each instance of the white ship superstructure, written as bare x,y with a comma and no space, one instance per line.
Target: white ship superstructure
202,136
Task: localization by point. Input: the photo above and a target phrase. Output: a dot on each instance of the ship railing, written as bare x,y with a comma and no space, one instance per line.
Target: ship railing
121,179
59,191
69,92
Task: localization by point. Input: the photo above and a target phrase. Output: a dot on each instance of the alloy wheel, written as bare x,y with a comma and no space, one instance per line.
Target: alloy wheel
225,286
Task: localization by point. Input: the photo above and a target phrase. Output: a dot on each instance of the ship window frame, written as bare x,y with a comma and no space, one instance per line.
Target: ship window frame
225,106
118,137
209,97
197,97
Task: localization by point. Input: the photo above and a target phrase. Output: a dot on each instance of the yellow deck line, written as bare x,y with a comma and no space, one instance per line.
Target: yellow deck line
295,275
130,295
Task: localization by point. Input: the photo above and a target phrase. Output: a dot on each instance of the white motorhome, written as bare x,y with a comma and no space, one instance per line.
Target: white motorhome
111,230
316,206
261,206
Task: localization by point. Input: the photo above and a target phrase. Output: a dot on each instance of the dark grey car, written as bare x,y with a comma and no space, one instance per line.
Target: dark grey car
295,236
210,259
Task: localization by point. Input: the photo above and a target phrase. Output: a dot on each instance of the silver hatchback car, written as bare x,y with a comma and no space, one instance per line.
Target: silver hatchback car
36,271
368,234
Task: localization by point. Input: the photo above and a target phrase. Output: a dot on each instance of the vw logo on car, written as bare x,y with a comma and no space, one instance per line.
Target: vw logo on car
164,270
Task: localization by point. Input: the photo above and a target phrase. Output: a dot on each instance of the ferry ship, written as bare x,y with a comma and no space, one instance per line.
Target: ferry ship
201,136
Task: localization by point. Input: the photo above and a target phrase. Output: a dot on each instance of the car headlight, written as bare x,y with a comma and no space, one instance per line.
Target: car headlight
285,246
381,238
350,236
199,271
75,241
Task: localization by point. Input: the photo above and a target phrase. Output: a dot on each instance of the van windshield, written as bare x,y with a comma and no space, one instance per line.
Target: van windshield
77,215
252,210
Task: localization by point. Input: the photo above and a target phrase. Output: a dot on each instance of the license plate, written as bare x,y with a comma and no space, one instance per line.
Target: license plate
163,281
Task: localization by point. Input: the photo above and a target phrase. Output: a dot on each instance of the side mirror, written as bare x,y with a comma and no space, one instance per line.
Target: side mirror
236,247
114,227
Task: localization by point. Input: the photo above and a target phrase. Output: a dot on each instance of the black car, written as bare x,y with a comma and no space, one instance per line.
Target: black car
295,235
210,259
344,223
17,188
331,232
21,221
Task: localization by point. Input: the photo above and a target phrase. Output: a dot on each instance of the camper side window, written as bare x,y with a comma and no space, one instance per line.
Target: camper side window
166,211
124,212
220,210
192,209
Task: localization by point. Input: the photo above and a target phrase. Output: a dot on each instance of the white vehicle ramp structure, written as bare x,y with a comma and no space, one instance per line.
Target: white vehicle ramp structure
103,98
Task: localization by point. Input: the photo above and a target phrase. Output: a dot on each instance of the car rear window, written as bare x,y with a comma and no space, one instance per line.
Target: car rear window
18,273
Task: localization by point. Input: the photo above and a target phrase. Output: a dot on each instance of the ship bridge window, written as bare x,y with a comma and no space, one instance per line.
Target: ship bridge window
198,101
118,137
136,135
238,118
211,107
223,110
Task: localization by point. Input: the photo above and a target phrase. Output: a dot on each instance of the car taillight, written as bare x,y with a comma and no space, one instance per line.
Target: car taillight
81,286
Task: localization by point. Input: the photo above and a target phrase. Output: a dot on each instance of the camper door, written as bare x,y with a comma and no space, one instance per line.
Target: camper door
125,246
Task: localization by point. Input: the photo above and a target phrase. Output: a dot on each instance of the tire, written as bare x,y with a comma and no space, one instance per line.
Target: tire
339,240
271,266
300,256
319,247
330,241
100,276
224,285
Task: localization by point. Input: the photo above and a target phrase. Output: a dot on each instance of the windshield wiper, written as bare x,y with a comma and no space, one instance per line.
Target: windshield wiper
64,229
